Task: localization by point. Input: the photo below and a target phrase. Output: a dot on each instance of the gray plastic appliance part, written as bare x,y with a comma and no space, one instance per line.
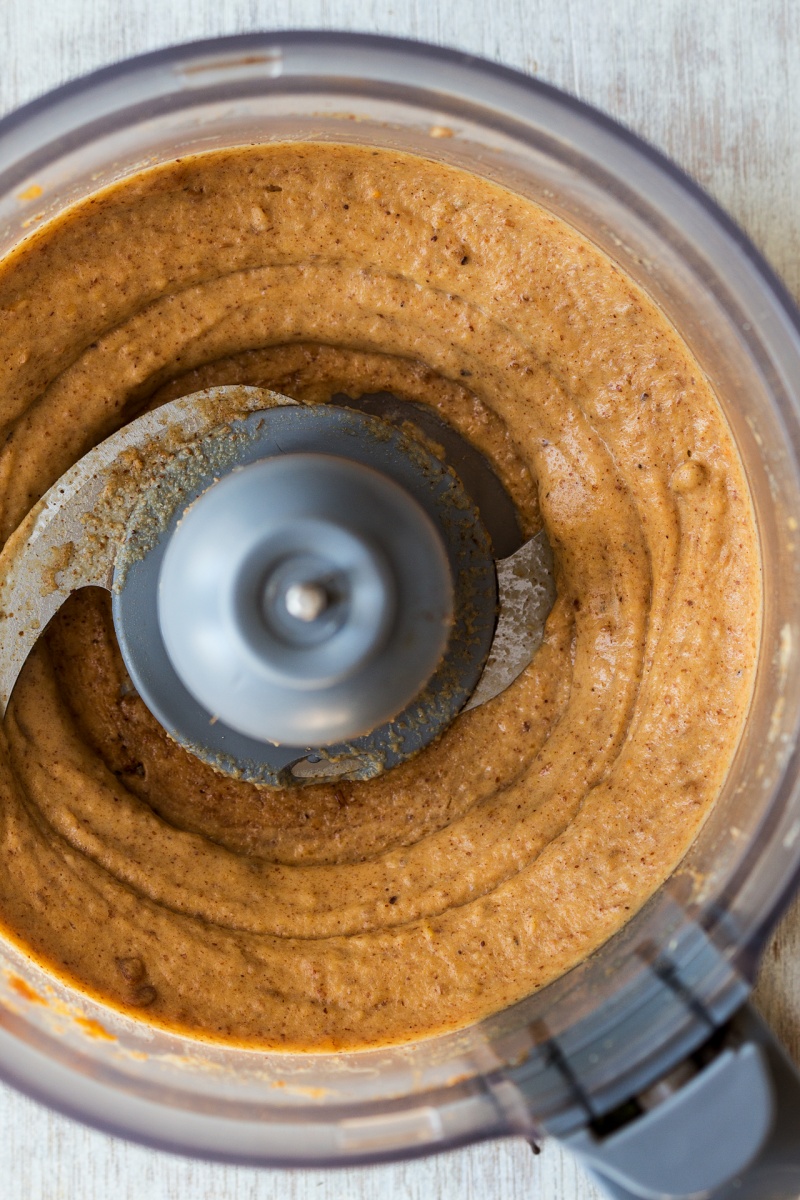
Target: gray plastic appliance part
305,599
190,480
724,1124
672,1087
106,522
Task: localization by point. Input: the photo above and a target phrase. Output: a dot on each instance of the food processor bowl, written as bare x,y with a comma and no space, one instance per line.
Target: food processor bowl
572,1054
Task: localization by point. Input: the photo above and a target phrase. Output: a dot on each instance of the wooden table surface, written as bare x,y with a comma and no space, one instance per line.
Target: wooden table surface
715,84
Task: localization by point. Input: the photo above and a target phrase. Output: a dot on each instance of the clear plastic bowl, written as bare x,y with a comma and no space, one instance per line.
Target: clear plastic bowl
686,961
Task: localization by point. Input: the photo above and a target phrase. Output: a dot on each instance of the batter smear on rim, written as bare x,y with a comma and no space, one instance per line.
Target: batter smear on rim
354,914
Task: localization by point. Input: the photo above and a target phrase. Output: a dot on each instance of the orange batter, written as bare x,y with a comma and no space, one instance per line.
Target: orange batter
356,914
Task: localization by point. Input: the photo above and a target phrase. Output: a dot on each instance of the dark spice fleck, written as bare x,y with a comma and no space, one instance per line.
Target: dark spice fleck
132,768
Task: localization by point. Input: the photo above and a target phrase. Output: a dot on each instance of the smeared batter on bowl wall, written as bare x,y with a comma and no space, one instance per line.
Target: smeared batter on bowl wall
358,914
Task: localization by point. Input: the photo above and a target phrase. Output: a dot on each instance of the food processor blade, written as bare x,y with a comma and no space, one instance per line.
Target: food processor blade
124,516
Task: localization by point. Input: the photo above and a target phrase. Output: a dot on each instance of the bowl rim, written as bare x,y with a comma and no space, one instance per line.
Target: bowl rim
471,68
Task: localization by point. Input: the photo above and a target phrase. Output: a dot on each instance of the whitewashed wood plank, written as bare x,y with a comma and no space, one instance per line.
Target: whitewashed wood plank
716,86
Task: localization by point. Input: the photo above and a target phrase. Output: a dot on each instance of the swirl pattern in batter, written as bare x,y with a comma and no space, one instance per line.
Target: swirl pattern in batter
361,914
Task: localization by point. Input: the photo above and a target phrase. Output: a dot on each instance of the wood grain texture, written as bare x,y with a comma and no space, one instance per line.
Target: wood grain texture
717,86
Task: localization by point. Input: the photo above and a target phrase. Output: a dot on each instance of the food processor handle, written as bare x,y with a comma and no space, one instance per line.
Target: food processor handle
732,1132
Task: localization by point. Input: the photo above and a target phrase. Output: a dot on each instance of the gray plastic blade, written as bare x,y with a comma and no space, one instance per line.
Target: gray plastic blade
70,539
526,593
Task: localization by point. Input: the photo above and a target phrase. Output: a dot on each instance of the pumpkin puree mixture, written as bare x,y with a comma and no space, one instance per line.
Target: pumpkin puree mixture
358,914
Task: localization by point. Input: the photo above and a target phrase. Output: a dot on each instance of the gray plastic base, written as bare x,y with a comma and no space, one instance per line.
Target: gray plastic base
294,430
273,533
